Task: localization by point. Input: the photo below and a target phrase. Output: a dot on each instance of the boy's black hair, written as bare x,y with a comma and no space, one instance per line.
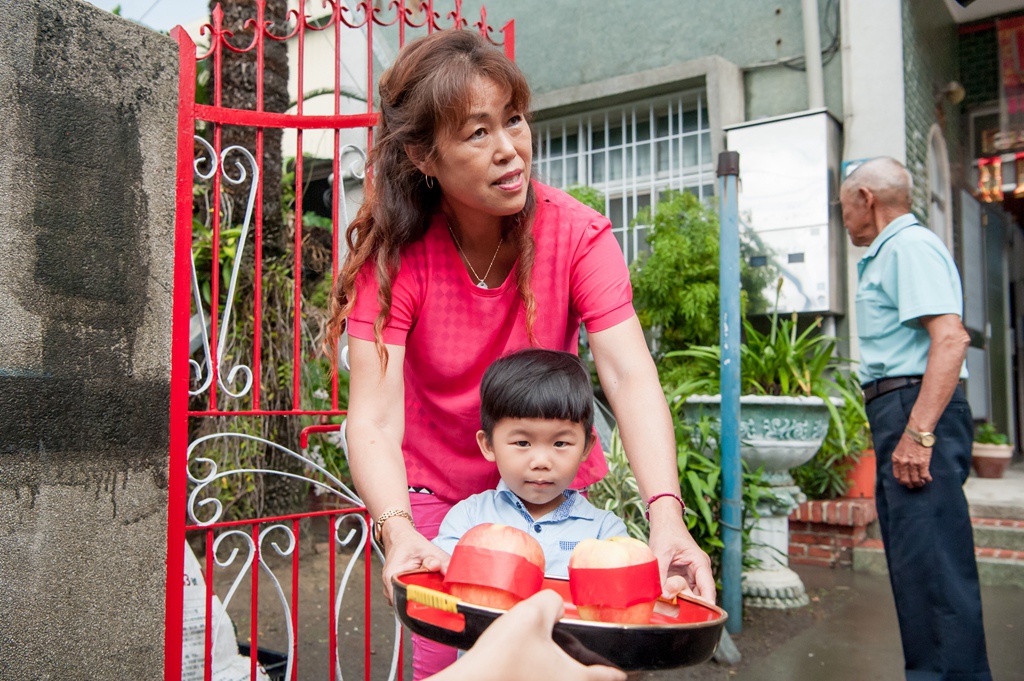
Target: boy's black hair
537,384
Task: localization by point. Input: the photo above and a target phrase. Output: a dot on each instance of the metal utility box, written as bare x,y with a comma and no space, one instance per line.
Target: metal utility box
789,199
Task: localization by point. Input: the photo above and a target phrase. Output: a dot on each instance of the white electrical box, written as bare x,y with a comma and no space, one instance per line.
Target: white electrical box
789,201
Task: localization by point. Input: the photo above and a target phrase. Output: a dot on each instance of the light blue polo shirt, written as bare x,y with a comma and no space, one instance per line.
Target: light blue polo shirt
558,532
906,274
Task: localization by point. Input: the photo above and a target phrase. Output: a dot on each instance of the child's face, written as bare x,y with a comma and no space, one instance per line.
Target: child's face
537,458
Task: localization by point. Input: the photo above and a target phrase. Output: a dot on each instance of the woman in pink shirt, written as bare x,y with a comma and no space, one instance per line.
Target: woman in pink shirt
457,258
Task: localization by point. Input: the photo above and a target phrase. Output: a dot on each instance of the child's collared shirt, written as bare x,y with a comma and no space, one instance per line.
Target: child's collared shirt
557,532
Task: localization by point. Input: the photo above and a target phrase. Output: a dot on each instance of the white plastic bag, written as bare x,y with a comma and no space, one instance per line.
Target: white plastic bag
228,664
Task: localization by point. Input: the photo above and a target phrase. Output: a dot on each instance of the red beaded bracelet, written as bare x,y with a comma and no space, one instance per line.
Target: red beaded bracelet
647,508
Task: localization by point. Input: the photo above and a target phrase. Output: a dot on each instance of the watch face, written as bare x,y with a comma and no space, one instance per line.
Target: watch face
927,439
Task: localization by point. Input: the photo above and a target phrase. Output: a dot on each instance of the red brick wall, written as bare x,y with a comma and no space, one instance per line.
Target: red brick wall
824,533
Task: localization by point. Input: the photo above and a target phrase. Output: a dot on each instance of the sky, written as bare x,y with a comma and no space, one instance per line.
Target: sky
160,15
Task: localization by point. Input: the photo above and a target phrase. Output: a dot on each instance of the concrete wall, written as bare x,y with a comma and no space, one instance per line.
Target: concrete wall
87,119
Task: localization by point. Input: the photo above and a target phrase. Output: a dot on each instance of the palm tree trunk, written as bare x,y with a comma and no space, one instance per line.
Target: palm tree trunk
273,494
238,89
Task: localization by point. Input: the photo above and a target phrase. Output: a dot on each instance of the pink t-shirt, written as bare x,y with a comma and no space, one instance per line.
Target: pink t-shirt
453,330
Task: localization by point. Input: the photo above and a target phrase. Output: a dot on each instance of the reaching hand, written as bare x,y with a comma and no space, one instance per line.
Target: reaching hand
518,646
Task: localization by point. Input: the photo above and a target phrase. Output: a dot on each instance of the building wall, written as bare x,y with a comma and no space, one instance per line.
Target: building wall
563,45
930,61
88,116
979,63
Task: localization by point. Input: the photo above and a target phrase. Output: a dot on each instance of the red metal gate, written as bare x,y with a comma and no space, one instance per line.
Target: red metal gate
210,412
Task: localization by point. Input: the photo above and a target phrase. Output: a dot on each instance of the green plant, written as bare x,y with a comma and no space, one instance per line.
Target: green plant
825,476
588,196
700,466
784,361
618,492
986,434
325,449
675,285
701,482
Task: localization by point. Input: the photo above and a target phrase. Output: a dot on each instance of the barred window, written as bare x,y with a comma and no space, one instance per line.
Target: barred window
631,154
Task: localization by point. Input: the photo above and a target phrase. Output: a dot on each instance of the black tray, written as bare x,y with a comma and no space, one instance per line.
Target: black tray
678,636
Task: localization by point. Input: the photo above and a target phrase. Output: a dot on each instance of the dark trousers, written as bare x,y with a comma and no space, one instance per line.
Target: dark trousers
929,545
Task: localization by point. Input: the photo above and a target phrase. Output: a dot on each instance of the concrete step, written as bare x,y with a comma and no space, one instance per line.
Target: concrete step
996,566
994,533
999,533
997,497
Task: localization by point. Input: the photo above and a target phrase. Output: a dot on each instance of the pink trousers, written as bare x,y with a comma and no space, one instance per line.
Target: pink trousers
429,657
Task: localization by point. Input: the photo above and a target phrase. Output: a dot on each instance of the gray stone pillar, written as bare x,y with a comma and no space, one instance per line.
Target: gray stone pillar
88,109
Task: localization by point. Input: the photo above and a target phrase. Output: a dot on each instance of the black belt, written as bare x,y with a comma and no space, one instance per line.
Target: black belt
882,386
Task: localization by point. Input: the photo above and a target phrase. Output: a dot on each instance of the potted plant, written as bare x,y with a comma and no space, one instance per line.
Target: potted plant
862,473
845,464
991,452
788,391
786,406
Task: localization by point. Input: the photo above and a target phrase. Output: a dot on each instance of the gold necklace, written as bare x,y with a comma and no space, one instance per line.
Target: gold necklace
481,282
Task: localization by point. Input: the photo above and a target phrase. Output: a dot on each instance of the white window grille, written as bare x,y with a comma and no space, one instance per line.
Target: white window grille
631,154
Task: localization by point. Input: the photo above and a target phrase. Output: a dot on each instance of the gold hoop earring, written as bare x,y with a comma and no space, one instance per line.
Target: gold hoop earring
429,180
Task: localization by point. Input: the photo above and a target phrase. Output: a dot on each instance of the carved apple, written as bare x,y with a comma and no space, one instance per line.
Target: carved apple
614,580
495,566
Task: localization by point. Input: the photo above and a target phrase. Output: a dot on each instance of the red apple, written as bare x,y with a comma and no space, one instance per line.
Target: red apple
495,566
614,580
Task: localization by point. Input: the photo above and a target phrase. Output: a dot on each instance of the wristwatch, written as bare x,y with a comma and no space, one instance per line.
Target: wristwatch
924,439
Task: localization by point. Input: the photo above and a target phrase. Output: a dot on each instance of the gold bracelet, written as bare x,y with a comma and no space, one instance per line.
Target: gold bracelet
387,515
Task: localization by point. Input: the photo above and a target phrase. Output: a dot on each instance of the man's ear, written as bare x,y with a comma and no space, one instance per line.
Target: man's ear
485,447
867,196
420,158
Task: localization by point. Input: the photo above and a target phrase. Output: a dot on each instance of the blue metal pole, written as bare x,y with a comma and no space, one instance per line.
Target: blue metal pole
730,325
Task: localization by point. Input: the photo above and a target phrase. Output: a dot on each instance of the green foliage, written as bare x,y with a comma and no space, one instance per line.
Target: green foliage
700,476
825,476
325,449
202,252
700,465
986,434
784,361
588,196
790,362
618,491
675,285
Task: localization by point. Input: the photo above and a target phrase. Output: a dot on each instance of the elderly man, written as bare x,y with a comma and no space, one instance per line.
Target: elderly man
912,349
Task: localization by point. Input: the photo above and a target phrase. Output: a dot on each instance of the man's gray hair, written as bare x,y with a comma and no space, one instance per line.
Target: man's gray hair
886,178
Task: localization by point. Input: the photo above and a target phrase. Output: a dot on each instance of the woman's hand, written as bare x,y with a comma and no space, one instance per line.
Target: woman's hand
406,550
685,568
518,646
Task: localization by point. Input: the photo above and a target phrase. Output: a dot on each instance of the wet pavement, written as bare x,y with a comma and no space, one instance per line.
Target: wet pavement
859,640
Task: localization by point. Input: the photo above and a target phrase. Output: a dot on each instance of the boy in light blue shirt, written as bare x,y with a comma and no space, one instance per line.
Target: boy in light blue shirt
537,417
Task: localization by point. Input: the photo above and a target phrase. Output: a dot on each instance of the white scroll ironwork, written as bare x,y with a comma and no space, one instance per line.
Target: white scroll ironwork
355,537
216,163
